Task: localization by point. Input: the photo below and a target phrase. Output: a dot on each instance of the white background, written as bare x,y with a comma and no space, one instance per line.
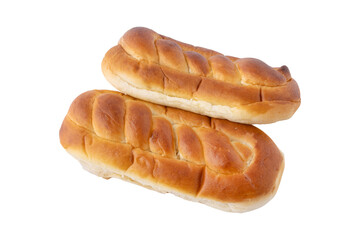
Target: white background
51,52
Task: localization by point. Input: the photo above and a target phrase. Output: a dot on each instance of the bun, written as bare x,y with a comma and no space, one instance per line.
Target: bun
158,69
226,165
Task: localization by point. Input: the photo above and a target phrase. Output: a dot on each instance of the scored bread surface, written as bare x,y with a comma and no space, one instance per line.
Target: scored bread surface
226,165
156,68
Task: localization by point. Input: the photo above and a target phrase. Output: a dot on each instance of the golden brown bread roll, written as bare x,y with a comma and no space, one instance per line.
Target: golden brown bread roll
226,165
158,69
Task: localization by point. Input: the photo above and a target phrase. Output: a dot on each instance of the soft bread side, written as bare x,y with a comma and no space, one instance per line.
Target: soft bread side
155,68
226,165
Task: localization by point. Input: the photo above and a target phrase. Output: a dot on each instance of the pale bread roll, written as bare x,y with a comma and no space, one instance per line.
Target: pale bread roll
229,166
158,69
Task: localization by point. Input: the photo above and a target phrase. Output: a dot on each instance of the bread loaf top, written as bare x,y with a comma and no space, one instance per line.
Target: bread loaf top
147,60
185,153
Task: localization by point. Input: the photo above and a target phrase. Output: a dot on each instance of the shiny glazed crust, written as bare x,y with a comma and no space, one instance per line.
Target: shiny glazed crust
226,165
159,69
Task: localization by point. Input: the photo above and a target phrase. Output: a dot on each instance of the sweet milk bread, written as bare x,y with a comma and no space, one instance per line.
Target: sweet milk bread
155,68
226,165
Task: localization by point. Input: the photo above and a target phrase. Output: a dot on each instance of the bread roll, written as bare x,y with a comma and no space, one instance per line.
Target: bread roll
155,68
226,165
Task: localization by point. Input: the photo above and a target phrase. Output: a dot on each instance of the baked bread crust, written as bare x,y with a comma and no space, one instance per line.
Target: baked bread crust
158,69
226,165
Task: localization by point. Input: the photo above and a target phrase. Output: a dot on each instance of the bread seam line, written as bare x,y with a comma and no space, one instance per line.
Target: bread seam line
185,104
229,207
